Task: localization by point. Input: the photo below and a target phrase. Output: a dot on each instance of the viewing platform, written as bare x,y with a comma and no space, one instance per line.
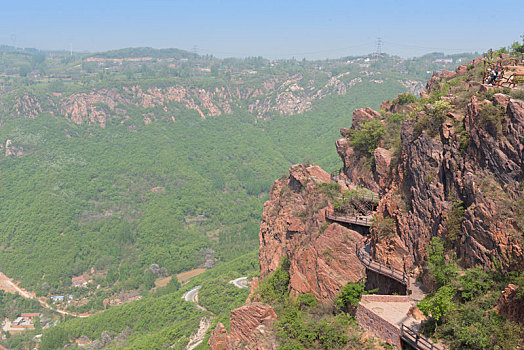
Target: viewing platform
360,220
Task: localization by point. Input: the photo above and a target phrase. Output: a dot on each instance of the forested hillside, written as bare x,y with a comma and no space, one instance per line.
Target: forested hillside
119,162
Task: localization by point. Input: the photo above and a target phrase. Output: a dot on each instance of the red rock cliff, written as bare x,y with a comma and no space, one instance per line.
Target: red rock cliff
322,255
251,329
476,156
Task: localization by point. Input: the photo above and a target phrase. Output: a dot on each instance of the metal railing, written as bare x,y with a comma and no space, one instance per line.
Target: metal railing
369,263
355,220
507,72
417,340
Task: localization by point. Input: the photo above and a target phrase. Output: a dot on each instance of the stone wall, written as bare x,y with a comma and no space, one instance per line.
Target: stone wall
385,298
375,324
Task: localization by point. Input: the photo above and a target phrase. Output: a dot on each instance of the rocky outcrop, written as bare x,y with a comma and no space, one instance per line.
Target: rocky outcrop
27,106
93,108
356,170
322,255
382,158
479,166
286,95
12,150
218,339
251,328
510,305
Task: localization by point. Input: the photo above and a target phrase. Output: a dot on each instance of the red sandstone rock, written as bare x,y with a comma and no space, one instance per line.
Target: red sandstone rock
382,162
448,74
322,256
509,305
218,339
250,319
363,115
461,70
501,99
252,293
300,175
251,329
486,88
355,169
434,172
416,314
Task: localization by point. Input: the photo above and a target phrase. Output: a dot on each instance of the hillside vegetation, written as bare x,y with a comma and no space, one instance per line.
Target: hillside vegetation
133,165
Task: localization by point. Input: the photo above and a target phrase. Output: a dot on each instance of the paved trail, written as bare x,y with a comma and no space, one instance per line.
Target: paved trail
240,282
192,295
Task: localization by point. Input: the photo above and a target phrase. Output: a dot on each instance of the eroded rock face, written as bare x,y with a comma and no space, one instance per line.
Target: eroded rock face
285,94
322,255
251,329
356,171
13,151
435,172
382,159
218,339
510,306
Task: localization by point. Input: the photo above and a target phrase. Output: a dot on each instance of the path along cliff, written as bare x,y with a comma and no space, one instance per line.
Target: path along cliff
450,164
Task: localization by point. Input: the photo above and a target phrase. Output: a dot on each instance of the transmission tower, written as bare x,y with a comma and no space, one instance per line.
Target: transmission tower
379,45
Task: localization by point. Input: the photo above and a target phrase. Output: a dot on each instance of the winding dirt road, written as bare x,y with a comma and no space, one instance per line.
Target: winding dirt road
7,285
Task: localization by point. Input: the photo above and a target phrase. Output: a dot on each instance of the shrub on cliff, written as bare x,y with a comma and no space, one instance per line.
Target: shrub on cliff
384,226
331,190
474,283
365,140
454,222
273,288
492,118
438,304
404,99
432,118
442,271
517,47
306,300
349,296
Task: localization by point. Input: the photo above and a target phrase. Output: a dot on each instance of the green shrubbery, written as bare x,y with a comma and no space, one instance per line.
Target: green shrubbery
384,226
462,308
443,270
492,118
331,190
350,295
432,119
439,303
404,99
273,289
366,139
454,221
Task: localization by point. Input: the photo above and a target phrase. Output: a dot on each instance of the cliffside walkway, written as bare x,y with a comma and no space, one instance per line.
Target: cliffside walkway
369,263
417,340
365,221
388,308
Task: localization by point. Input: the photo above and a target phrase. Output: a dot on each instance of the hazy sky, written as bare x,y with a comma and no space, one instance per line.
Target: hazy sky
273,29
